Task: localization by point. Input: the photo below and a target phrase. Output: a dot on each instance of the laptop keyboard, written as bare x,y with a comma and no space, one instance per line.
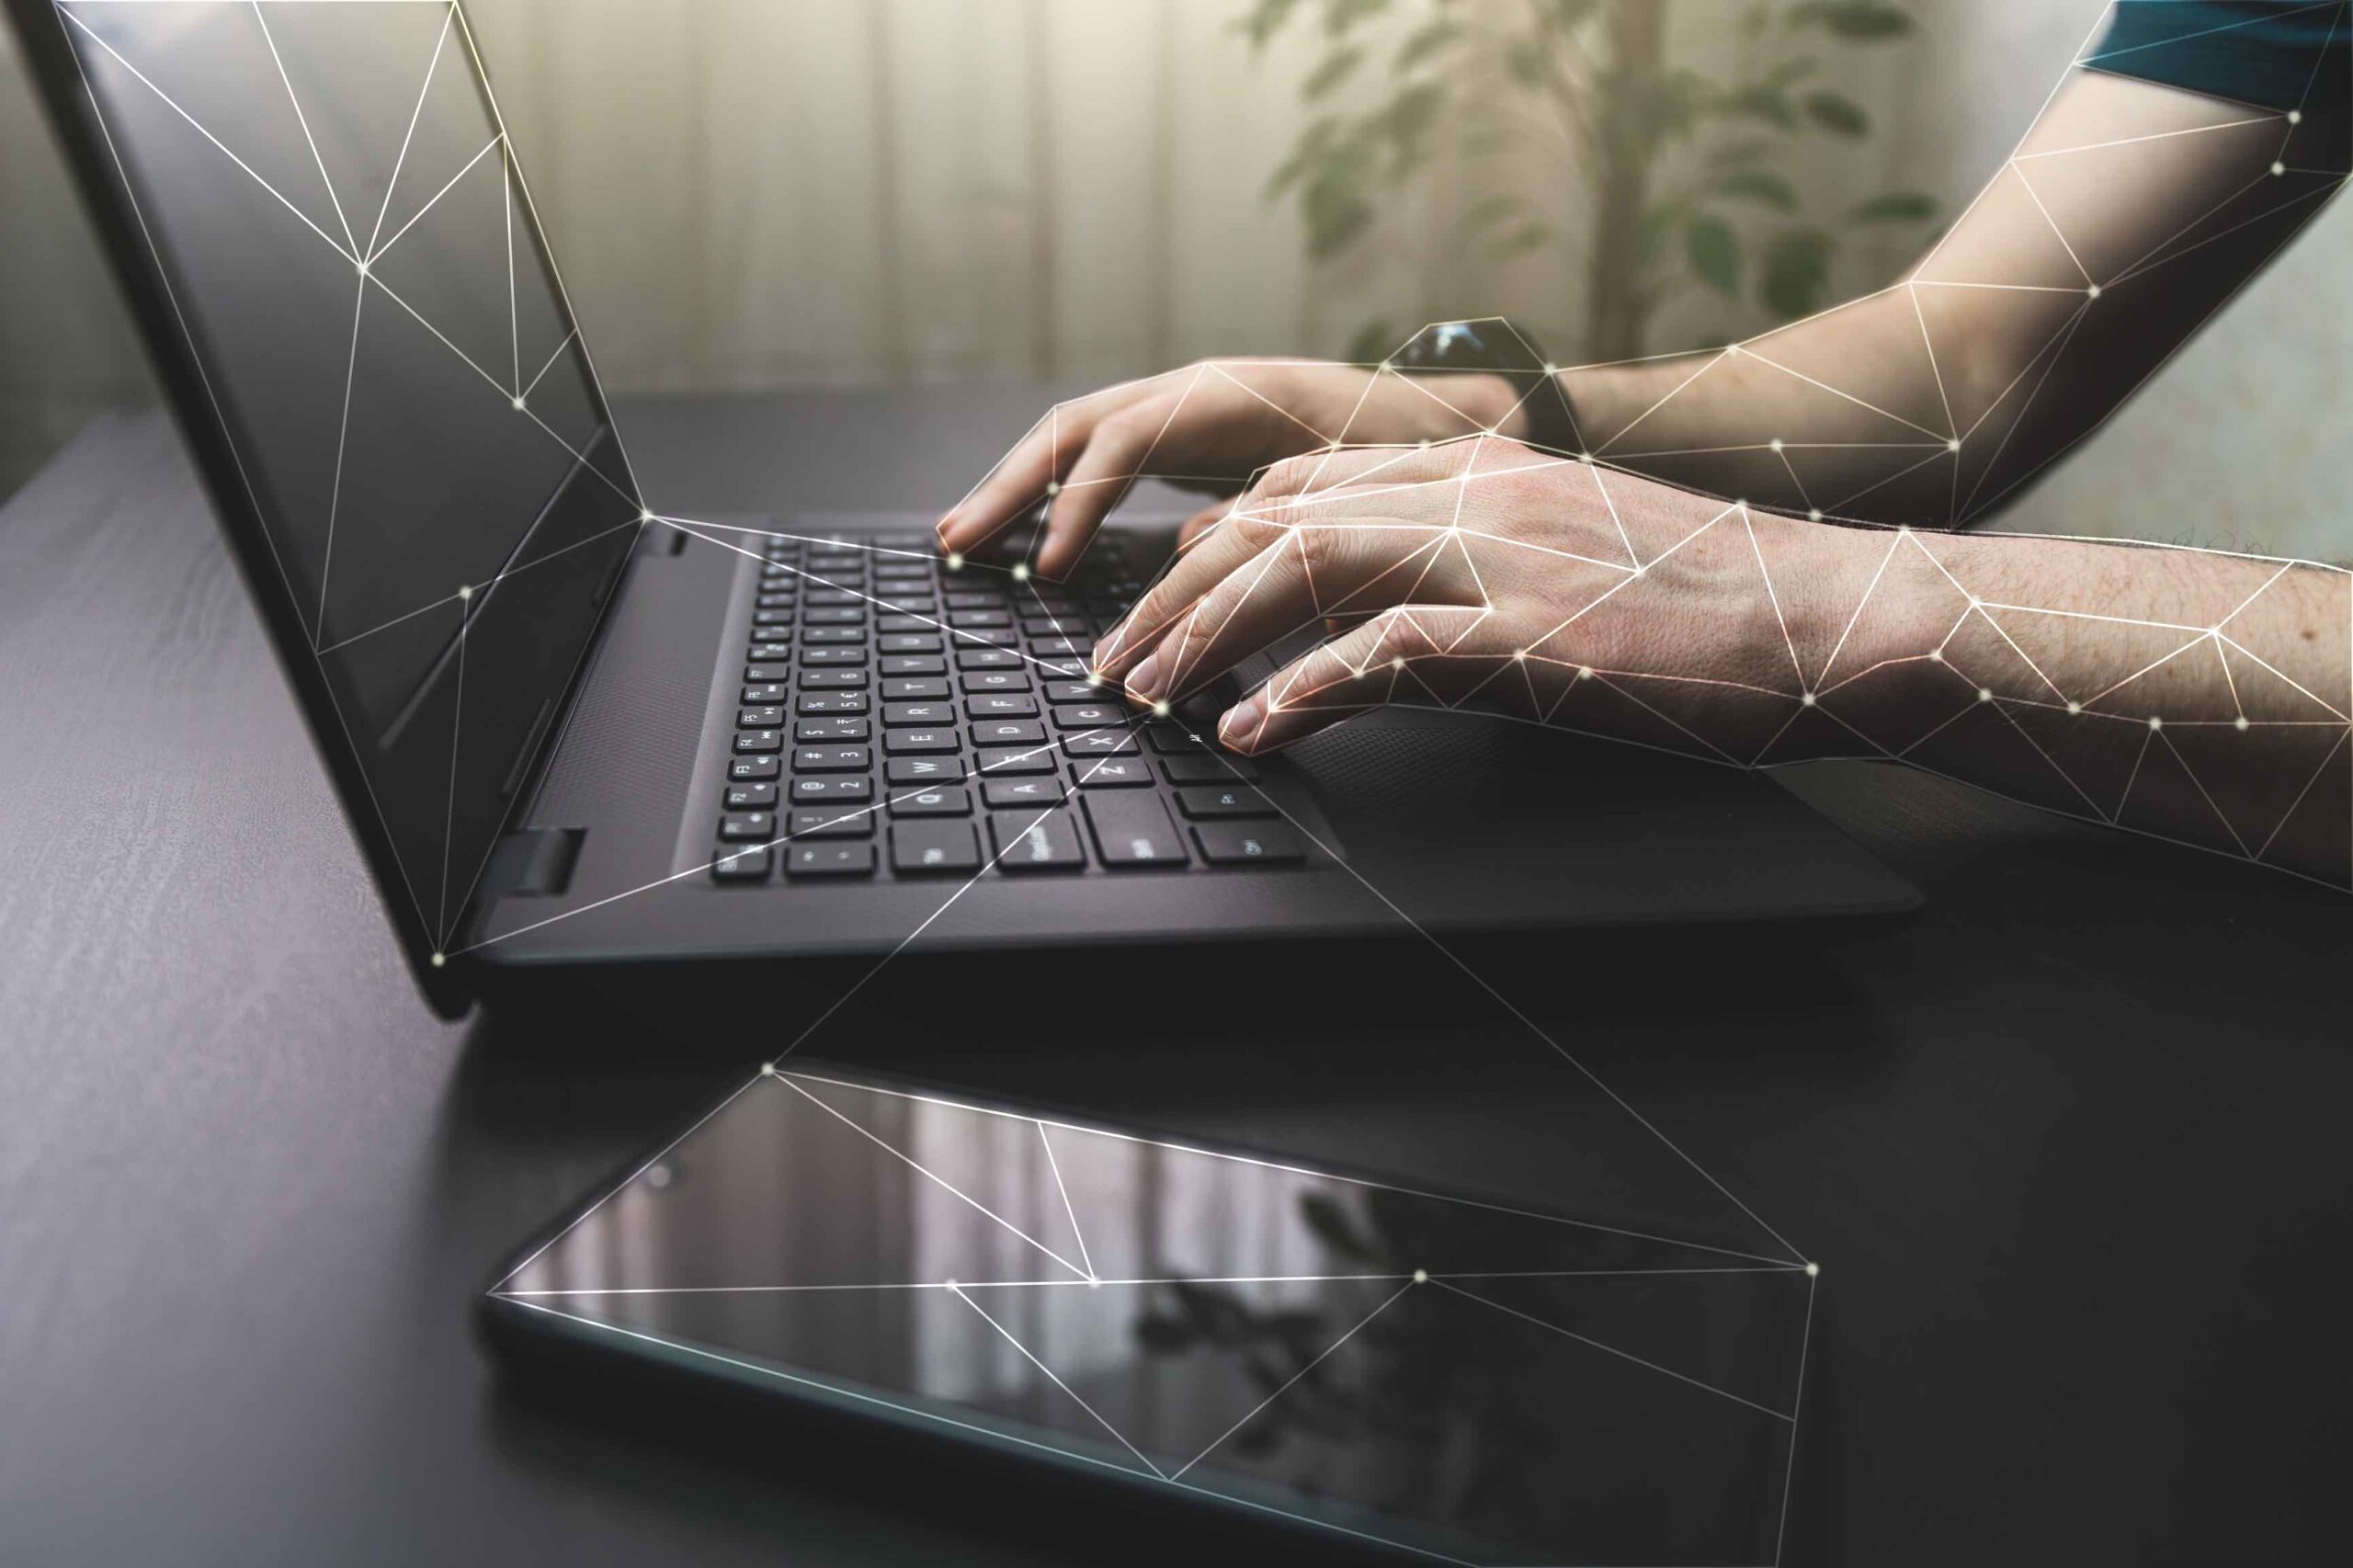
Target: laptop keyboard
901,718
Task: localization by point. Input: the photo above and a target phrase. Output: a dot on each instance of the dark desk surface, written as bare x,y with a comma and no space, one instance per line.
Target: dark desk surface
2069,1145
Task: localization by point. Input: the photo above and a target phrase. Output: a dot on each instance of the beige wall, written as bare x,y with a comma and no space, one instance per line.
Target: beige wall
754,193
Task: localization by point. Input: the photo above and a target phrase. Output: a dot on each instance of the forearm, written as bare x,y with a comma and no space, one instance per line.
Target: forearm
2183,693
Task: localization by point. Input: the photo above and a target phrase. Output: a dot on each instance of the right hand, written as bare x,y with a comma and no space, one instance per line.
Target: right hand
1210,426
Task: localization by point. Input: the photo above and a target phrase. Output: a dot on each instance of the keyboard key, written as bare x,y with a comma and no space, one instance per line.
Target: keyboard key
829,658
914,665
832,759
740,827
1040,792
907,642
1112,772
835,598
947,800
934,848
763,718
1207,801
751,797
749,769
1026,843
830,702
980,682
1175,738
987,659
1001,705
1207,767
766,691
896,714
830,727
833,616
973,598
910,743
925,770
1008,732
741,865
831,680
1087,715
834,636
1238,844
777,616
840,821
1133,831
899,625
762,673
1006,761
831,791
1099,742
748,741
1059,647
1075,691
829,860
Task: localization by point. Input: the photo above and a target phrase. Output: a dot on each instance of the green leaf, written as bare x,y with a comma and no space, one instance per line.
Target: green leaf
1837,113
1653,227
1894,207
1426,41
1789,70
1410,118
1310,145
1331,74
1264,20
1373,342
1762,185
1746,150
1336,212
1759,101
1862,21
1527,237
1489,212
1713,251
1796,270
1339,16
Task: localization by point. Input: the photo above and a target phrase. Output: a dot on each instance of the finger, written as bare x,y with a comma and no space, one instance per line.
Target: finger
1290,585
1218,553
1016,483
1201,522
1104,471
1421,653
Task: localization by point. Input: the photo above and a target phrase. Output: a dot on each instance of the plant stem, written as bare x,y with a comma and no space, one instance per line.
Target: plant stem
1628,142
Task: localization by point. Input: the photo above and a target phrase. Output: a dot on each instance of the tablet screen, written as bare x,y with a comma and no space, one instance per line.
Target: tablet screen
1453,1376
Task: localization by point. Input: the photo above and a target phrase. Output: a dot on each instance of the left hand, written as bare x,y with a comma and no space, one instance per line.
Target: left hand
1477,570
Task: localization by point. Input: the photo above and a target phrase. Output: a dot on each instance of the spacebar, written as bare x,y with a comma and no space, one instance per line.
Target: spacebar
1132,830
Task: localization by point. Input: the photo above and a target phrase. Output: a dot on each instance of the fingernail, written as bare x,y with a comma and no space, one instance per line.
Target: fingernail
1241,721
1144,680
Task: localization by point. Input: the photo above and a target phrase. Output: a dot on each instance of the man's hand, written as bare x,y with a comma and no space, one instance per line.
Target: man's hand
1210,426
1481,571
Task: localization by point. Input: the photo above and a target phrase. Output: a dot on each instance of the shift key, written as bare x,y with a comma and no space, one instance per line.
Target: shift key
1132,830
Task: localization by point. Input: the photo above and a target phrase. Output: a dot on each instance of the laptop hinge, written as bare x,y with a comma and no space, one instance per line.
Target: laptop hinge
531,862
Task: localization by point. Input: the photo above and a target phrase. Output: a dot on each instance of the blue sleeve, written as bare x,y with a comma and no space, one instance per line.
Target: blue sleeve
2276,54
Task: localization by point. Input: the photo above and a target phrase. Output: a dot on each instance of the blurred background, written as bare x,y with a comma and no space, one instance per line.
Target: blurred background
754,194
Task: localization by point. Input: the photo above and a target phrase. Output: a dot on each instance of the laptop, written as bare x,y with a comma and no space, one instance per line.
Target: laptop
572,730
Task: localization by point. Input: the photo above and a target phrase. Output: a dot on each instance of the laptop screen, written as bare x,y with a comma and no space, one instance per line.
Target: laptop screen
332,203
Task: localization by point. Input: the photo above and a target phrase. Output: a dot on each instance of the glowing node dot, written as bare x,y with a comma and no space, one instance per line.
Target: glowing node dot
1421,1277
1584,456
1397,663
768,1069
2279,168
955,561
1053,487
1551,368
465,590
1094,677
1424,444
2155,722
1775,443
949,1283
2295,117
1813,514
2239,723
645,514
2092,292
2074,708
1160,709
1020,571
1953,445
1519,654
439,960
1636,572
518,404
1938,655
1732,347
1808,699
1584,672
1984,694
1387,368
1812,1270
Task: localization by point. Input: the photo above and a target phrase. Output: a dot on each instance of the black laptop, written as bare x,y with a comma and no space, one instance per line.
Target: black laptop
570,729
